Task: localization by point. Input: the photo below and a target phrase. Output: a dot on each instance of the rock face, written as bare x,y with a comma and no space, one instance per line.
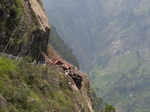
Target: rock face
24,28
24,86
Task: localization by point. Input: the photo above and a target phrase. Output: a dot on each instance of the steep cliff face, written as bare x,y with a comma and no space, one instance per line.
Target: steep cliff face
24,28
26,86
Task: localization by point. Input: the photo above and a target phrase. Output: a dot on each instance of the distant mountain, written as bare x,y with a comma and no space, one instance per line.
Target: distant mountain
111,39
90,24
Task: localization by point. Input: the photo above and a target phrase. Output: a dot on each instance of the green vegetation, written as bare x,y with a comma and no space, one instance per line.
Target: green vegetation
18,29
124,83
6,65
13,13
11,22
26,87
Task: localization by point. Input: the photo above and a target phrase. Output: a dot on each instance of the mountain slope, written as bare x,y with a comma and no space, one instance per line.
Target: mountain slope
111,40
31,79
27,82
25,87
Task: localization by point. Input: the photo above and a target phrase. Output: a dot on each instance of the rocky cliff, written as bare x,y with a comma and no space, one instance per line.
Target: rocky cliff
29,87
24,28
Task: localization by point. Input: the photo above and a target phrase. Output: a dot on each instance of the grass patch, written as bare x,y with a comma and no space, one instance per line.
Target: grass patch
6,65
34,88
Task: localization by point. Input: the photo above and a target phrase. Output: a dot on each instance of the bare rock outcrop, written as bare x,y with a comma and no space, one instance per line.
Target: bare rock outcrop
24,28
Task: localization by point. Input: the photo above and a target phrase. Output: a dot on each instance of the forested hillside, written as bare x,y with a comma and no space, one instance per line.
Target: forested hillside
111,41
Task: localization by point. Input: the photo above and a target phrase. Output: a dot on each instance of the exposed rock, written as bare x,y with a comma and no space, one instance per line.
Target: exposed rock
77,79
40,14
24,28
3,102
